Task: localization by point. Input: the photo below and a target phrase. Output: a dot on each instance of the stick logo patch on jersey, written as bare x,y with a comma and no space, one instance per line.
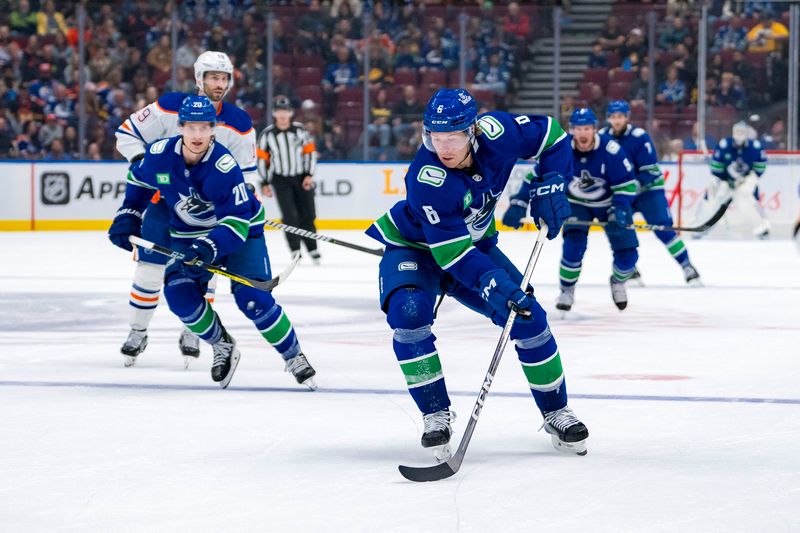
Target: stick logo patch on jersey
432,175
491,127
587,187
195,211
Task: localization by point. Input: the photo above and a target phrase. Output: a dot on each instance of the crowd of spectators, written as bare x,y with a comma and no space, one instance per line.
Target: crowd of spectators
318,57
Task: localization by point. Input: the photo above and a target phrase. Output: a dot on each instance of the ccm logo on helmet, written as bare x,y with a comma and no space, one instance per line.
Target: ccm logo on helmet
544,190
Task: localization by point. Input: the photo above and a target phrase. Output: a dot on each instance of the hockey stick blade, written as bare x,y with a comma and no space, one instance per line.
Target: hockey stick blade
705,226
267,285
451,466
316,236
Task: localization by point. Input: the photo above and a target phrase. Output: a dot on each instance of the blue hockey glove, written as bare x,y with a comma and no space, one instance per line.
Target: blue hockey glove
203,250
517,209
503,294
620,217
549,202
127,222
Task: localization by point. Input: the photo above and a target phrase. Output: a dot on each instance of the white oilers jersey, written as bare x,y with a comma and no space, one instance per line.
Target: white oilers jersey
160,120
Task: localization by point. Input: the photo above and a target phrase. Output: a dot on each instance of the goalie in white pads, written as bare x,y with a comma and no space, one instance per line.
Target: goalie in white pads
738,163
214,77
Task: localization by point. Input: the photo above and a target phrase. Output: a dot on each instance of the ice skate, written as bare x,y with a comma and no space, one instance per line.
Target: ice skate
226,359
437,432
133,346
190,347
566,298
315,257
302,371
566,431
691,276
636,279
619,294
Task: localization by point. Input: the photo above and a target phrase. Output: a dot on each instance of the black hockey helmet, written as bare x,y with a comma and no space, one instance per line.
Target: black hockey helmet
282,102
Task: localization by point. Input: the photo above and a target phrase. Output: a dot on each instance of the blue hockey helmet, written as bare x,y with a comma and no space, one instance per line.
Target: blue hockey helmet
618,106
449,110
196,108
583,117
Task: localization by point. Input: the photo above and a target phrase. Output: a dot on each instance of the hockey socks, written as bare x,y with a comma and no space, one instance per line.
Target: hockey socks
204,323
569,272
675,246
277,329
145,293
419,360
541,363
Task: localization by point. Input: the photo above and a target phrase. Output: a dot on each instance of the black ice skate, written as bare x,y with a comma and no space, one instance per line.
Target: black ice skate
691,276
302,371
566,299
437,433
133,346
566,431
618,294
315,257
226,359
189,344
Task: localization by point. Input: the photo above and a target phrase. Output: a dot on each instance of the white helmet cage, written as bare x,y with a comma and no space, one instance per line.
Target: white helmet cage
211,61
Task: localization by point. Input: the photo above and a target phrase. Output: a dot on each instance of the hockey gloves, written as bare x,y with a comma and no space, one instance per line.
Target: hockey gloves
503,294
203,250
127,222
620,217
549,202
517,209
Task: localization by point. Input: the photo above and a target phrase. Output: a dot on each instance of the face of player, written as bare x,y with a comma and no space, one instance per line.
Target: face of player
584,137
196,137
282,118
452,147
618,121
215,84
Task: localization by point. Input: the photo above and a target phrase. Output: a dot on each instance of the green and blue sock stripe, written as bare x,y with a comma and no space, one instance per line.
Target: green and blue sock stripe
204,323
277,329
619,275
545,375
541,364
569,272
422,369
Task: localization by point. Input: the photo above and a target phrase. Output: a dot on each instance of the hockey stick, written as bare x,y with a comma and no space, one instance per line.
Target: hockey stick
222,271
656,227
451,466
323,238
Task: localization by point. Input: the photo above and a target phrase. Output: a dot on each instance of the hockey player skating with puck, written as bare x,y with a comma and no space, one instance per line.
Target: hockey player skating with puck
602,187
737,164
214,77
650,199
441,239
215,219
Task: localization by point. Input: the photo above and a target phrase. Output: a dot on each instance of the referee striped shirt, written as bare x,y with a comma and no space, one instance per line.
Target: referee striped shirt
286,153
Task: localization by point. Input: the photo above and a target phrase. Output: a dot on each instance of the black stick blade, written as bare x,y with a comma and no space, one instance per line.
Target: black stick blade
428,473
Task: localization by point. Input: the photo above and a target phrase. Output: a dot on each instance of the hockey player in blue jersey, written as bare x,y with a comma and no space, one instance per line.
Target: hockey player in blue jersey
213,73
213,218
441,239
737,164
602,187
650,200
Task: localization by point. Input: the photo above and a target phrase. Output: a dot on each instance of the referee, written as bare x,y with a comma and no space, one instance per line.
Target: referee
286,161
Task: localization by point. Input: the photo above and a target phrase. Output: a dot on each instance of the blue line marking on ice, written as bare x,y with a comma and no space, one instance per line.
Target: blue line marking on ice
157,386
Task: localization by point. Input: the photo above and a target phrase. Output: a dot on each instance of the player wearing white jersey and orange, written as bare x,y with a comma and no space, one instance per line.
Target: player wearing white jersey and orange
213,73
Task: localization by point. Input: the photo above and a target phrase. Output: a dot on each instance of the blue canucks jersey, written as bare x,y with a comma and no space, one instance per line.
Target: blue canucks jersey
451,211
640,149
207,199
750,157
601,175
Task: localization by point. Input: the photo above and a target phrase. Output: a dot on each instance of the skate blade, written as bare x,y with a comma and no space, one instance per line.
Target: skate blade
128,360
576,448
441,453
187,360
310,383
234,363
695,283
635,282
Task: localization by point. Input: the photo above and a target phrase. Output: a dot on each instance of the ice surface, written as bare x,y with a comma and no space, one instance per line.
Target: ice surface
691,398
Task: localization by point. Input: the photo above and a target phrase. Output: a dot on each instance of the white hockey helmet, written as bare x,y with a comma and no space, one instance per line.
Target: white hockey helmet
740,133
211,61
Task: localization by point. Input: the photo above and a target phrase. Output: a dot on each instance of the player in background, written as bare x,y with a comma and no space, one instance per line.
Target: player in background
441,239
213,72
602,187
737,164
650,200
214,218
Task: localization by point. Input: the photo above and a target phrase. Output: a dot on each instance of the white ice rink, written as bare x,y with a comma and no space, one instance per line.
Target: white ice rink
691,397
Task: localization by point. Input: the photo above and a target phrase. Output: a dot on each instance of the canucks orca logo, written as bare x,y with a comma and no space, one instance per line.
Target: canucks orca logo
482,215
587,187
193,210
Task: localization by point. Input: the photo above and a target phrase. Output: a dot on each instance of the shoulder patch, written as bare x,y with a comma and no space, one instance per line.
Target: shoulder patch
723,143
432,175
225,163
637,132
491,127
158,146
612,147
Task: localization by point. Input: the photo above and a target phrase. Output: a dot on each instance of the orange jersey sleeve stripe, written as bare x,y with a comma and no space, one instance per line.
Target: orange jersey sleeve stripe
262,154
310,147
165,110
156,197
